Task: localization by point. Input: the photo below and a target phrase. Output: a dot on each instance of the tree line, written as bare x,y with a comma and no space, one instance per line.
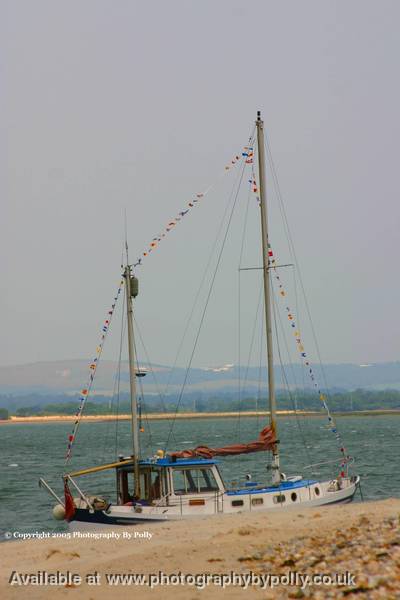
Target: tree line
357,400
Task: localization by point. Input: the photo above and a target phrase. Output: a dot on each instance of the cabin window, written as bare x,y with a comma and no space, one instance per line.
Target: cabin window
181,482
293,496
257,501
237,502
151,484
207,481
194,481
316,491
279,499
122,487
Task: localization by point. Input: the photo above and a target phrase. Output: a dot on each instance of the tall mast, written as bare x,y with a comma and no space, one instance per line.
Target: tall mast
132,291
276,476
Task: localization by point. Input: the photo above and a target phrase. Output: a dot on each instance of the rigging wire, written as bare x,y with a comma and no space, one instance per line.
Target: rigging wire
290,361
159,393
293,252
206,304
115,386
195,302
302,371
258,397
122,336
283,371
253,334
142,402
239,306
296,296
110,410
202,281
90,383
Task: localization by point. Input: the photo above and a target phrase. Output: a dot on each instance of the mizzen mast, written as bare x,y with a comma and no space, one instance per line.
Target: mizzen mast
132,290
276,475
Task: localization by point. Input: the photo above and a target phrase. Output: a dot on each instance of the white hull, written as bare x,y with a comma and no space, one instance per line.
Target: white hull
178,508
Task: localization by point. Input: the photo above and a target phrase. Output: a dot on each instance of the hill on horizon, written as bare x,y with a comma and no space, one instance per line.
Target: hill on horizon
69,376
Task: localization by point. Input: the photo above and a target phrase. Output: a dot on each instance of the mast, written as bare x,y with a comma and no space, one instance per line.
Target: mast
276,475
132,289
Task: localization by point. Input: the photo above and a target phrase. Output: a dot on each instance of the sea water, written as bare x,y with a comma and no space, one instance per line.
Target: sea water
32,450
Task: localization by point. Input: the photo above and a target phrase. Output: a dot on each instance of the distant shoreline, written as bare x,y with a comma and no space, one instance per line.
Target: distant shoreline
188,415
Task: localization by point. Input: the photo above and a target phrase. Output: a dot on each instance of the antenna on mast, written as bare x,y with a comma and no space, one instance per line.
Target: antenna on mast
126,235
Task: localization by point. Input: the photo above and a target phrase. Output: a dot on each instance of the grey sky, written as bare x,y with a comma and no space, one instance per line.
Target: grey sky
138,105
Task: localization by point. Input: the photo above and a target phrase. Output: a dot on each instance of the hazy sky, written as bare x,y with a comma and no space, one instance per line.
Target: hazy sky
139,105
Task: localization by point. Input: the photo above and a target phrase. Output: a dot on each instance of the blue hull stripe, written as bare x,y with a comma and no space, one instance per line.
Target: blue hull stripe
283,487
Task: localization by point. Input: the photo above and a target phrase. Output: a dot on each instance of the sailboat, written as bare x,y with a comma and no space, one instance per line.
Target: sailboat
189,483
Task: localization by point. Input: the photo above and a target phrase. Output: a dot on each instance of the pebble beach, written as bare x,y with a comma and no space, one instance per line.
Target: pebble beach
343,551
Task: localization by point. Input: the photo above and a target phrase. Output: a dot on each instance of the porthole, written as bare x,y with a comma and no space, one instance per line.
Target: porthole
237,502
293,496
279,499
316,491
256,501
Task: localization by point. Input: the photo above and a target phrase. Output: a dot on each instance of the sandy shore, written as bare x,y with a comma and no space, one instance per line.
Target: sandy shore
150,417
363,539
191,415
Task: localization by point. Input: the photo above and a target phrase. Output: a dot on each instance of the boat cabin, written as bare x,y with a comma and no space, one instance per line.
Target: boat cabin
165,479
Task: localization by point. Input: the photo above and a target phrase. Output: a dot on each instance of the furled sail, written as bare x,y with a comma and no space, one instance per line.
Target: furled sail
265,441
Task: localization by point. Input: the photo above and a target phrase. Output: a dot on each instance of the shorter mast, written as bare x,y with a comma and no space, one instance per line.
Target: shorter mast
132,289
276,475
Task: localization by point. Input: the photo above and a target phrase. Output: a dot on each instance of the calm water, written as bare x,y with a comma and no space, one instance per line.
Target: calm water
29,451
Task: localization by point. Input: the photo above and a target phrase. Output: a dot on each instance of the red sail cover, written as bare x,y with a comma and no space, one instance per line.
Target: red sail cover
70,507
265,441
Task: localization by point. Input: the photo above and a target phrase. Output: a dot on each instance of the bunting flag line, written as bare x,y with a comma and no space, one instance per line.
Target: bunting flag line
246,154
92,372
295,330
306,362
254,186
